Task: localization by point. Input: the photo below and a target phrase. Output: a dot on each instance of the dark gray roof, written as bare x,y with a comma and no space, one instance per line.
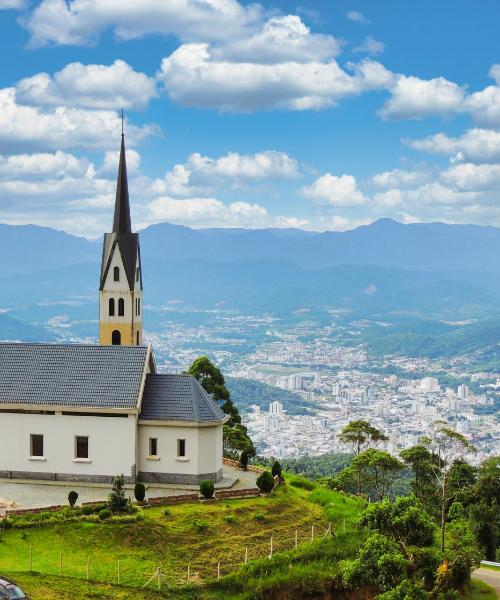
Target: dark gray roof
177,398
71,375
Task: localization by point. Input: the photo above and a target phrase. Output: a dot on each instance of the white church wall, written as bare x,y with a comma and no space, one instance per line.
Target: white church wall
203,458
111,447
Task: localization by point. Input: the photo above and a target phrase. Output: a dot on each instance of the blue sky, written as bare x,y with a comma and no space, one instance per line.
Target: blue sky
320,115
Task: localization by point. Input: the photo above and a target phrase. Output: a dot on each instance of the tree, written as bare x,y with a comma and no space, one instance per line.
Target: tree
276,469
236,438
360,436
139,491
72,498
448,445
421,462
244,460
378,470
117,501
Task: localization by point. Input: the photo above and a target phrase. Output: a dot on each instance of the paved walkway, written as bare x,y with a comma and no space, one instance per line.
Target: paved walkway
22,494
490,577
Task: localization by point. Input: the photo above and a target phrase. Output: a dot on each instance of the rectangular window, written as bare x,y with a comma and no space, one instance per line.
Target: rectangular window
81,446
153,447
181,448
138,306
36,444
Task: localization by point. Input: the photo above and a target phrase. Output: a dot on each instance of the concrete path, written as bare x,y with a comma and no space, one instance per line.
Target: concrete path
490,577
23,494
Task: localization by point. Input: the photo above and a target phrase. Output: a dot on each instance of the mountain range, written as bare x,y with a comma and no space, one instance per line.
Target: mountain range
384,243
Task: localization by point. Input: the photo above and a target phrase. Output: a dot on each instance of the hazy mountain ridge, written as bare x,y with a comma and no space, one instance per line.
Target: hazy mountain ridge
384,243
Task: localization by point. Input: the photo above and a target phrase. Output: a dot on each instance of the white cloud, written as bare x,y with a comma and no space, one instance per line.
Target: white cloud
335,191
494,73
414,98
212,212
355,15
31,128
192,76
281,39
12,4
472,177
111,159
89,86
476,145
484,106
399,178
40,165
261,165
370,46
82,21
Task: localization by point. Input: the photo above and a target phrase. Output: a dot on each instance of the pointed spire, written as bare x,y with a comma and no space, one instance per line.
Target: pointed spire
121,222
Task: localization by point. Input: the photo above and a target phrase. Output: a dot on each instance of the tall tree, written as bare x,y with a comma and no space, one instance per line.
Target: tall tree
360,436
421,462
236,438
449,446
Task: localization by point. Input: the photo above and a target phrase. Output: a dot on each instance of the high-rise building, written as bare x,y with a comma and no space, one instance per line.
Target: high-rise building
276,409
463,391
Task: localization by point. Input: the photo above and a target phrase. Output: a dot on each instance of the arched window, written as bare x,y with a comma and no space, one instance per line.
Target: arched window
137,338
121,307
111,307
116,338
138,306
116,274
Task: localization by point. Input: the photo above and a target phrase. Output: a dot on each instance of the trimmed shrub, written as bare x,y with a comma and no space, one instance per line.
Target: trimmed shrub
117,502
207,489
265,482
104,514
72,498
139,491
244,460
276,469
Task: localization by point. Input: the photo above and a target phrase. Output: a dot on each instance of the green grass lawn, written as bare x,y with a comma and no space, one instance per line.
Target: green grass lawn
478,590
198,535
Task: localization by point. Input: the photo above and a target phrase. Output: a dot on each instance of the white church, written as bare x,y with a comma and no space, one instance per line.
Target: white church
87,413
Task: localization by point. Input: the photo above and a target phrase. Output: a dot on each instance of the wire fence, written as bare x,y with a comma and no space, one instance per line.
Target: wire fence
140,571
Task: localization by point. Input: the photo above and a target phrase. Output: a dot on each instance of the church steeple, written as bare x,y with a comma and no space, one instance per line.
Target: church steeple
121,221
120,290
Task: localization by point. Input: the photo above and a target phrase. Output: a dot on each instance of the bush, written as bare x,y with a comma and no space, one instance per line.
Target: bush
104,514
117,502
265,482
200,525
301,482
259,516
276,469
139,491
244,460
207,489
229,519
72,498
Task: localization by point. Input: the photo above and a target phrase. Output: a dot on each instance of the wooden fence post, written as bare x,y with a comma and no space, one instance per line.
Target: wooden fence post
271,552
218,570
246,555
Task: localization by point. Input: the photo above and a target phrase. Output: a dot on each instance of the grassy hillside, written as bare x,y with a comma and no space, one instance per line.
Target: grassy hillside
198,535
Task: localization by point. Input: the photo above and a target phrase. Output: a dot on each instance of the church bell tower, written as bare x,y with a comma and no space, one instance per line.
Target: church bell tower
120,290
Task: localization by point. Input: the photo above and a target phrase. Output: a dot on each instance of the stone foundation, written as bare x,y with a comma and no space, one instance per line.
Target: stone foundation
179,478
66,477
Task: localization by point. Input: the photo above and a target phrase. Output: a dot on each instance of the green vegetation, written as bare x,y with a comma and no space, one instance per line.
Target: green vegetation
478,590
207,489
265,482
198,535
315,467
139,492
72,498
236,438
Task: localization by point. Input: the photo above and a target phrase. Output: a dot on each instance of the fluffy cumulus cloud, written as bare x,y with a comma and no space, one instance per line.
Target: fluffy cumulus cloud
414,98
110,163
473,177
12,4
31,128
212,212
201,173
194,76
82,21
399,178
335,191
42,165
475,145
89,86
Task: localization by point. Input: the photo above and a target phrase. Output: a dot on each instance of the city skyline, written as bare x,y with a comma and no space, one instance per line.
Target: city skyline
252,115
